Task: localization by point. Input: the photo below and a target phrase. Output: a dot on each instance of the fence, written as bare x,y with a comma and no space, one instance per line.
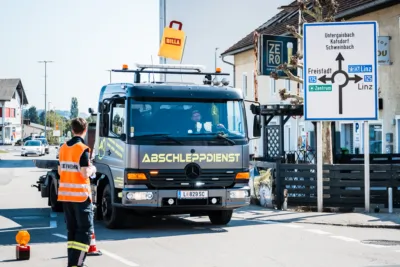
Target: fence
343,184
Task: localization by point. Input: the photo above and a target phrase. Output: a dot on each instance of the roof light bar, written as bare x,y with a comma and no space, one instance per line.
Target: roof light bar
171,66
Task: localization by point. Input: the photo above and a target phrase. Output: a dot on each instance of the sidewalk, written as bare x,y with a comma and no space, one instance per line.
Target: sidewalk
352,219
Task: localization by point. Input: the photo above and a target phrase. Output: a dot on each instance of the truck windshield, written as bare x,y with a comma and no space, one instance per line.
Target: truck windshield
186,119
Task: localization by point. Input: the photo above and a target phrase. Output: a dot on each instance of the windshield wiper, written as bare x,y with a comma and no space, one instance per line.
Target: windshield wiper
219,135
166,135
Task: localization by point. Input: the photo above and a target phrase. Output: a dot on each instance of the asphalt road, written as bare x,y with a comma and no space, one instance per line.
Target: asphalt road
174,241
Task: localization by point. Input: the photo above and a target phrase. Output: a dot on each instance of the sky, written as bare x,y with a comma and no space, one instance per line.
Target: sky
87,38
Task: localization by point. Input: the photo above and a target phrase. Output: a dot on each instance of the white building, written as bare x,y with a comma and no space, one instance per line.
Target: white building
385,132
12,98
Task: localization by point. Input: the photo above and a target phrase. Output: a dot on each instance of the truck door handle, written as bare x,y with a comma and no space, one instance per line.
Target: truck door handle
109,152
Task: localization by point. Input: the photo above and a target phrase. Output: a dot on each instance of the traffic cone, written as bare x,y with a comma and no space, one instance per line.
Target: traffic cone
93,251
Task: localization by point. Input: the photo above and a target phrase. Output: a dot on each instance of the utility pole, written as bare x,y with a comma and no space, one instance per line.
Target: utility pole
110,71
45,94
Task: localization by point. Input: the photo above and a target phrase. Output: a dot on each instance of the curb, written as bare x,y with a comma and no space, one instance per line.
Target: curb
379,226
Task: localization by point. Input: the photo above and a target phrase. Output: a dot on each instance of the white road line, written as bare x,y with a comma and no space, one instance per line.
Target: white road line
62,236
348,239
109,254
292,225
374,246
317,231
118,258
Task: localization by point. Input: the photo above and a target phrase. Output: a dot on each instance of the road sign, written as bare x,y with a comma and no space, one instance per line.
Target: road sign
340,71
274,51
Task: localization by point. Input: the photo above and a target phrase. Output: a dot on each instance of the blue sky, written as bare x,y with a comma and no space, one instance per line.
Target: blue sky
85,38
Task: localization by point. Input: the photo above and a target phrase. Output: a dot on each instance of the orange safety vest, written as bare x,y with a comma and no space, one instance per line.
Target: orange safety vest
73,186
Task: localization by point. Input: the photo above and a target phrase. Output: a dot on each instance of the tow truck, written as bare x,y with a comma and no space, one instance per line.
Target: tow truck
153,157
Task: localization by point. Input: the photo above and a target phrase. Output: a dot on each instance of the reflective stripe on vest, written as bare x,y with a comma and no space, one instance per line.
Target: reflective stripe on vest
73,186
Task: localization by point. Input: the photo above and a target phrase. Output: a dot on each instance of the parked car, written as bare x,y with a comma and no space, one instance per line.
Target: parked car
45,143
58,150
19,142
33,147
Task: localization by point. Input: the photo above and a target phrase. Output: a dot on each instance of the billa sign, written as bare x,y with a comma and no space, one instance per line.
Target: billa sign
172,42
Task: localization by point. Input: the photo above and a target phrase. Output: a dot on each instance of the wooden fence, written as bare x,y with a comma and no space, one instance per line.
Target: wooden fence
343,184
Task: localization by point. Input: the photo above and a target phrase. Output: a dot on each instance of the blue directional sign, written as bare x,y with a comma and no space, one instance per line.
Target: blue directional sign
276,50
340,71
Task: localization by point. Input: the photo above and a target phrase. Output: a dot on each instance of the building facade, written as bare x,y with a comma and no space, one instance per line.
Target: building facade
384,133
12,99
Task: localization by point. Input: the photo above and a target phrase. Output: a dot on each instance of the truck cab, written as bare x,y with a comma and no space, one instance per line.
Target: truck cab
170,148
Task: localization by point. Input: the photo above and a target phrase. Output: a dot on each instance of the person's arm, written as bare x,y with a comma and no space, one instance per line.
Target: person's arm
84,162
59,168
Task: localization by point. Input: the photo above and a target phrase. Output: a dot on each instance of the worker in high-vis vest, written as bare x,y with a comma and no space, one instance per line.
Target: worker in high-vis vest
75,193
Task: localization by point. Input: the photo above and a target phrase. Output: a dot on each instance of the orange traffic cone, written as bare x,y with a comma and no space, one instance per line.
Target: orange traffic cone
93,251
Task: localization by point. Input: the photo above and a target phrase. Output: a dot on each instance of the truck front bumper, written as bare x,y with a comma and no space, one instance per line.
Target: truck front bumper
214,199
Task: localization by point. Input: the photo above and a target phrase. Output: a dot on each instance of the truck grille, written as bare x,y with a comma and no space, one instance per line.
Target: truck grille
178,179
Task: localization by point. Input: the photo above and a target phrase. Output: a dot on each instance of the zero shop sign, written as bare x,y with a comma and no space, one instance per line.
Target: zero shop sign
274,51
340,71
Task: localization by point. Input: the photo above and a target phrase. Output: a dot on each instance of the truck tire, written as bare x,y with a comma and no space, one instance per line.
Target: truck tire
55,205
220,217
113,217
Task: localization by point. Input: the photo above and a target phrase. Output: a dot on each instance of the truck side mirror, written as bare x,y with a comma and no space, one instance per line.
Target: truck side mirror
256,127
123,137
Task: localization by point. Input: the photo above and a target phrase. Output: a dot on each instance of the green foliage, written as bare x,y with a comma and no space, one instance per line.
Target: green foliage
74,108
32,115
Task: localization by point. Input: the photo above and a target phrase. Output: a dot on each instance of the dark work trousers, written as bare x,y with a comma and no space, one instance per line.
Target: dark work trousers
79,220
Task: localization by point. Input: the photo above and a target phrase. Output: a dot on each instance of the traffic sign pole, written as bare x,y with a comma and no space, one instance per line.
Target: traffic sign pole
366,166
320,164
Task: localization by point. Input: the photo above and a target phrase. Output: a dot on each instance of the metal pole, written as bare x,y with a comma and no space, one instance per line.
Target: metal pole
110,74
320,184
390,204
215,58
366,167
45,95
22,116
162,26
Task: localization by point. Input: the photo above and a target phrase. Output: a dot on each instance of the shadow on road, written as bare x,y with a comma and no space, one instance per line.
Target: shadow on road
42,226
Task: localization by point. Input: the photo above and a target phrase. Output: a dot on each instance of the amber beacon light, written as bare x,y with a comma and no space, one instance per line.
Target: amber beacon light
22,249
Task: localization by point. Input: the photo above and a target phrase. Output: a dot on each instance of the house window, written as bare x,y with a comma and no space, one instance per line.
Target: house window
7,112
1,111
12,112
288,84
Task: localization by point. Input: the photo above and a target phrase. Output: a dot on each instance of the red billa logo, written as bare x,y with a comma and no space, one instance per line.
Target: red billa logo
173,41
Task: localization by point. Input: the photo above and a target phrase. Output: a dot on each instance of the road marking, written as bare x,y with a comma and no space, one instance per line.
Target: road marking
317,231
348,239
292,225
118,258
62,236
109,254
375,246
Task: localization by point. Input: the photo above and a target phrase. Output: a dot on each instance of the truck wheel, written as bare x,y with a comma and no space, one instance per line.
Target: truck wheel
220,217
54,204
113,217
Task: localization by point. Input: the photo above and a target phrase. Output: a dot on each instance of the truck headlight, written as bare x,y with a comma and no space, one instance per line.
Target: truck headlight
139,195
238,194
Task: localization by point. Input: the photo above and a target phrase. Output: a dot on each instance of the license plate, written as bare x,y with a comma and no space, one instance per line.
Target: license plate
192,194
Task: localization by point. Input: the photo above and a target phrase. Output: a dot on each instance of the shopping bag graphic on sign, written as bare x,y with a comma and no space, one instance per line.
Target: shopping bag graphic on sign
172,42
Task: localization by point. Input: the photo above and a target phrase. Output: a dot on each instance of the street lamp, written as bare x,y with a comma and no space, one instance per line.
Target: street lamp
45,94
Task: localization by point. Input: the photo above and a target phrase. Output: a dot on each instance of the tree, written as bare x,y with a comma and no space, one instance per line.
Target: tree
74,108
321,11
32,115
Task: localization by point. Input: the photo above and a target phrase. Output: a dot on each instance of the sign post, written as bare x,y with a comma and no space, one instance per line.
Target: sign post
341,81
